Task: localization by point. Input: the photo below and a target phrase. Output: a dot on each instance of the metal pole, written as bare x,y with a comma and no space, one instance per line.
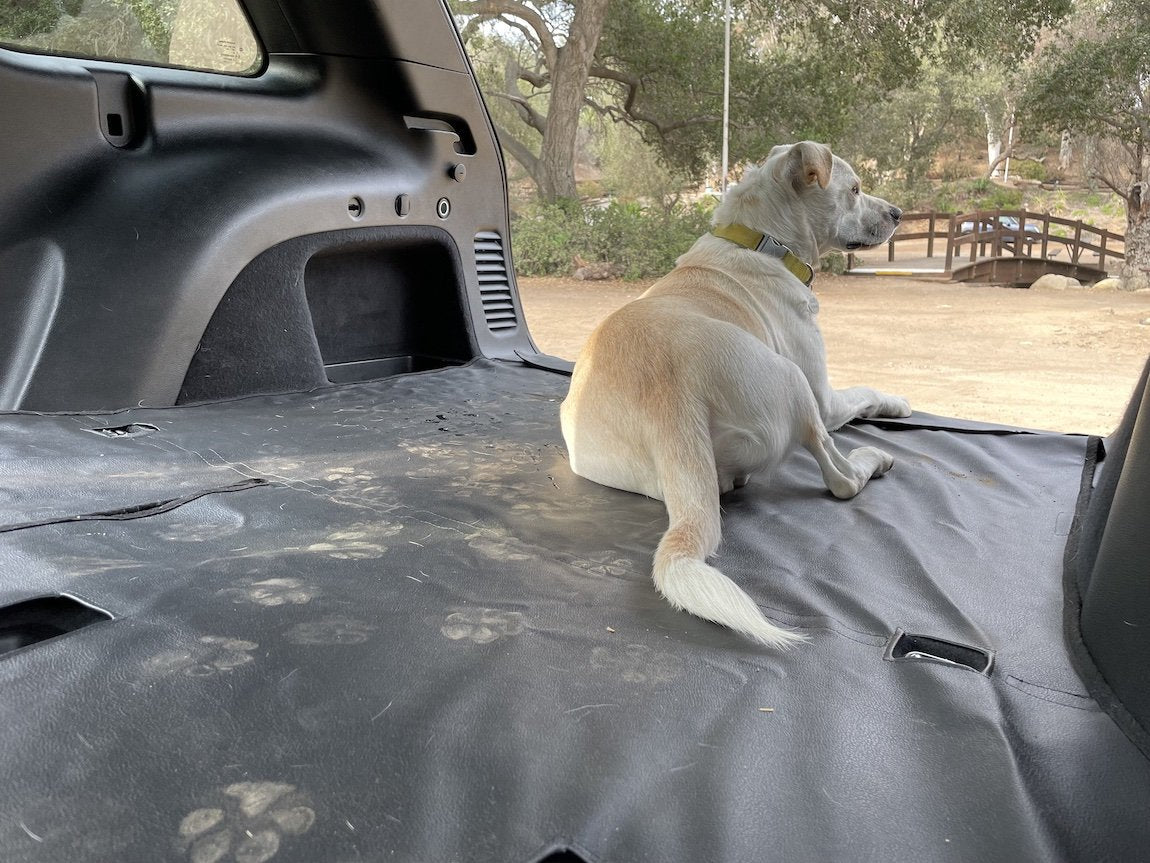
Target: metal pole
726,91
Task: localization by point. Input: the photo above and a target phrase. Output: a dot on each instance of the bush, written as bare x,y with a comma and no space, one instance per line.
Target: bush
1030,169
543,237
834,263
643,241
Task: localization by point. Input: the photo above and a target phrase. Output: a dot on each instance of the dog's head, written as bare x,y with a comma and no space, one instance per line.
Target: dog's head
806,195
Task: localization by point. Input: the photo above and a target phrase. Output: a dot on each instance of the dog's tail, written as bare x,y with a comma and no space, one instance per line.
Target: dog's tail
681,574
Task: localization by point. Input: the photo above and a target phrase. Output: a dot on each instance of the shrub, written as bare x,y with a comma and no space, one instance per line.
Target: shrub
1030,169
643,241
834,263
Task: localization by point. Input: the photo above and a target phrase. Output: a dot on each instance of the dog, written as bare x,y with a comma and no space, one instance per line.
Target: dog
718,371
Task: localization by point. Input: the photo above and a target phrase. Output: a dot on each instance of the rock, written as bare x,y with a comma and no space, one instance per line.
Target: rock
1107,285
1053,282
596,270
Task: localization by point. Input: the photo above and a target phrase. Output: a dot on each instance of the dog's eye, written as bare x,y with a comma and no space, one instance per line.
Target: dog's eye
855,189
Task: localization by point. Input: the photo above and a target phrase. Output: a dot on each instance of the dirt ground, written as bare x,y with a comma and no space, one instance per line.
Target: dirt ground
1061,360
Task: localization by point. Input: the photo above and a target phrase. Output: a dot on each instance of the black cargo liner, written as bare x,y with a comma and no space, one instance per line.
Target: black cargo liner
425,639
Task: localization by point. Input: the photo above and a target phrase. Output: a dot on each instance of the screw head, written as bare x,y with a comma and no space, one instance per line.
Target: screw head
443,208
355,207
402,205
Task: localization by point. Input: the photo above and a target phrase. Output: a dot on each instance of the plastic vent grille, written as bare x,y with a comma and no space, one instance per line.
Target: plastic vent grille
494,286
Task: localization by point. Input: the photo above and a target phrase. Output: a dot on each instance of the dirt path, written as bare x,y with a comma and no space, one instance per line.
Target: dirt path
1061,360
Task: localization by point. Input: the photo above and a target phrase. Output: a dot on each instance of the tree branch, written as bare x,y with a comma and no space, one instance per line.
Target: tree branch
633,85
526,113
519,151
518,10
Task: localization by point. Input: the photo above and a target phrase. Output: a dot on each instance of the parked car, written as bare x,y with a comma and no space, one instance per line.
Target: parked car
1008,227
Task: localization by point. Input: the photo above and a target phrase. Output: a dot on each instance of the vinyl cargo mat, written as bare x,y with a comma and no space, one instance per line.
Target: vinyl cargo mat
384,621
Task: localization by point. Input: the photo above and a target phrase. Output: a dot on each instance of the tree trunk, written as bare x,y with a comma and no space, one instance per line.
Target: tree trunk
1065,151
1136,267
568,82
993,144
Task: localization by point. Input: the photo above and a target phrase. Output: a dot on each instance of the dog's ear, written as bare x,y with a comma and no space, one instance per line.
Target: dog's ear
806,163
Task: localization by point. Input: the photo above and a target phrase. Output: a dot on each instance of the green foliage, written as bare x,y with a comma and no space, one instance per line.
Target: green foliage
1091,80
633,170
834,263
1029,169
23,18
546,236
643,241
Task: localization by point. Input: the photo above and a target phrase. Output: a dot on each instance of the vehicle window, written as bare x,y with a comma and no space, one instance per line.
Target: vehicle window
212,35
1013,148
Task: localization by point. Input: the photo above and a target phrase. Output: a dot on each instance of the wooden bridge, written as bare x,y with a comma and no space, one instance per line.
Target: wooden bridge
1002,247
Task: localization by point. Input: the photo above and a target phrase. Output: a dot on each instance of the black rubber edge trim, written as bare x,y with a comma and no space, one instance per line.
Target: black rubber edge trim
140,510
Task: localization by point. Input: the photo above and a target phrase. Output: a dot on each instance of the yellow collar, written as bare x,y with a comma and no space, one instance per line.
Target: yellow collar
758,241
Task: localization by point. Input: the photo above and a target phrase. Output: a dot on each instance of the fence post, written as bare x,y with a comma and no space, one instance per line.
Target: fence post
930,237
1077,240
1102,250
1045,232
949,243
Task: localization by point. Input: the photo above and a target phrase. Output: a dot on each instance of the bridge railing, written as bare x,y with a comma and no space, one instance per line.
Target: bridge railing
1003,233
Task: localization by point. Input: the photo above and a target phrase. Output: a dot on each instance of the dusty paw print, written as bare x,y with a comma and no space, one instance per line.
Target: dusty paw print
497,545
334,629
604,563
247,825
482,626
347,476
355,487
212,654
357,541
197,531
272,592
637,663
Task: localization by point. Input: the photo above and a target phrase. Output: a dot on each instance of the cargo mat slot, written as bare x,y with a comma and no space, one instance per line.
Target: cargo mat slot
142,510
35,620
130,430
905,646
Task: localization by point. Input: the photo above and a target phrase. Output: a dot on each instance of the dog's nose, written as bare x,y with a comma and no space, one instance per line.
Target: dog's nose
896,214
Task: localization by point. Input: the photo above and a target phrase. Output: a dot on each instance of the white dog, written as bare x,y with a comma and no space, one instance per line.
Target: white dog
719,371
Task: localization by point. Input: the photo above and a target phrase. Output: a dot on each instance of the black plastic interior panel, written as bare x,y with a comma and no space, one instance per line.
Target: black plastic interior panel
423,638
343,305
117,249
1108,575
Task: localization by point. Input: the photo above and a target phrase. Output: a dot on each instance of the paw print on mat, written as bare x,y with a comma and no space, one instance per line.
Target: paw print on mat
212,654
335,629
247,826
357,541
637,663
347,476
272,592
604,563
482,626
497,544
183,530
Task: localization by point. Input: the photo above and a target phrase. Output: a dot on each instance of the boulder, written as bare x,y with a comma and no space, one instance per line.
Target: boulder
1053,282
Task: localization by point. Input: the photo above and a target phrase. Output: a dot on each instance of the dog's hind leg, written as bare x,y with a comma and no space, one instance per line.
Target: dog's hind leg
845,475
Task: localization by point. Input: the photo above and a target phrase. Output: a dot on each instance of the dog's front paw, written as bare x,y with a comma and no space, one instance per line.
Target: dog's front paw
894,406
